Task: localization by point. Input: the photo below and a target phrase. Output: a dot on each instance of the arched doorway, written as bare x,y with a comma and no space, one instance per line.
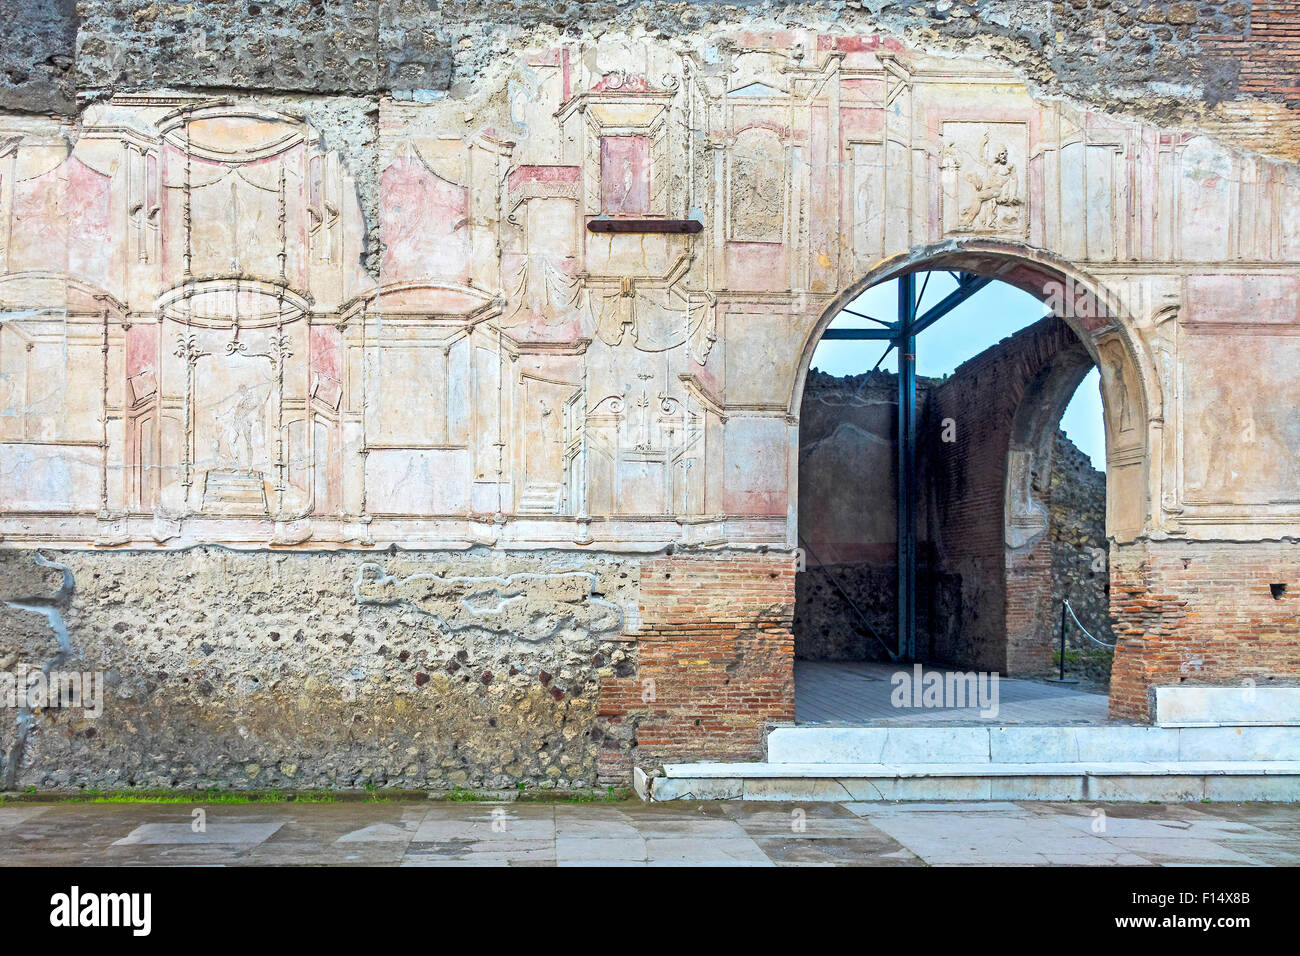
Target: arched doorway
972,574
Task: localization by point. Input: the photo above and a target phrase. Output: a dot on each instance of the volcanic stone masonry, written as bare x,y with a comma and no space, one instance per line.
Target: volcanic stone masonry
405,393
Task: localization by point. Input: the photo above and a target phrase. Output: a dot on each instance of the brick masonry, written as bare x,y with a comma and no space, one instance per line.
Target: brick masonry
1005,593
1267,54
1196,613
715,658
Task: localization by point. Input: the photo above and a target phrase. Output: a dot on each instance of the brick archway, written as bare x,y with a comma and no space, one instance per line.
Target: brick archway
1054,365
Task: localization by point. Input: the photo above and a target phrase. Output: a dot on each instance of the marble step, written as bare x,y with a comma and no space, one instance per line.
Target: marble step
1191,780
1248,705
1020,744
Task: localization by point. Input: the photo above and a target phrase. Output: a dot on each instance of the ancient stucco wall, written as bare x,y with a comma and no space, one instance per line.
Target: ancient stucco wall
339,276
216,331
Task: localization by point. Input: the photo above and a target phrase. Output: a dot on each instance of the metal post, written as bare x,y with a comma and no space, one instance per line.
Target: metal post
902,336
1062,679
906,343
1061,676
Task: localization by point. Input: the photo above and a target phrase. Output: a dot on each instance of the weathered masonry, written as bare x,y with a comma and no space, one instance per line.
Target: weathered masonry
423,410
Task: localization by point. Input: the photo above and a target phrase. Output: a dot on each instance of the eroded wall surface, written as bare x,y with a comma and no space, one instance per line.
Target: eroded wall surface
262,670
270,309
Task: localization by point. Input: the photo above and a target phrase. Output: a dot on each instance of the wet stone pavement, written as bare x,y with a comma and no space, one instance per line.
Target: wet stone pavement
420,833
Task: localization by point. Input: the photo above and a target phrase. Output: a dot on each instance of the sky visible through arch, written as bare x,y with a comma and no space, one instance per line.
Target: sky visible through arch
988,317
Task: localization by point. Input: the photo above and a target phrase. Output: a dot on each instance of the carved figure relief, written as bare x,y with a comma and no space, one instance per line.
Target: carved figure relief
984,177
757,193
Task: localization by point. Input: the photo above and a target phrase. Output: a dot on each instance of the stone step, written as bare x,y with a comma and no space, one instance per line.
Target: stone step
1191,780
1018,744
1192,706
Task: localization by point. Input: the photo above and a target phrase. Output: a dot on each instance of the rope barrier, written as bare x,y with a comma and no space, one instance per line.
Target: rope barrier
1084,629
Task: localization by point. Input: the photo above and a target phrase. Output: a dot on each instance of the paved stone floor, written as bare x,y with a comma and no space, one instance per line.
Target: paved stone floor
423,833
859,695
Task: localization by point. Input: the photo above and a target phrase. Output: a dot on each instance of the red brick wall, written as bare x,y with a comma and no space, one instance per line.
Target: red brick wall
1002,595
1264,112
1187,612
715,661
1268,54
1029,610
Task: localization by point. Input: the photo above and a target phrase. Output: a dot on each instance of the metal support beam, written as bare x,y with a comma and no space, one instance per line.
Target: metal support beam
902,336
857,335
906,550
967,286
863,315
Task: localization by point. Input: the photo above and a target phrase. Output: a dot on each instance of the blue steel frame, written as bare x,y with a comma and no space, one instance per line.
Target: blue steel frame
901,335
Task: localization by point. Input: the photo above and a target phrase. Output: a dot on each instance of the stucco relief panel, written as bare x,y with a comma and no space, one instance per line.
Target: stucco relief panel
512,356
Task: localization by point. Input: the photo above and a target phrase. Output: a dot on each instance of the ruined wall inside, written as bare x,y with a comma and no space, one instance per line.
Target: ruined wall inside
844,607
847,472
989,498
845,596
1081,558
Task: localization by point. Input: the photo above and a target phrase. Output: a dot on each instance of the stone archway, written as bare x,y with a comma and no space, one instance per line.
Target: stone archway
987,525
1130,393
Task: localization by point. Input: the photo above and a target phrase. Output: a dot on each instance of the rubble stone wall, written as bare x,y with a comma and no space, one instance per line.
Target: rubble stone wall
300,670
